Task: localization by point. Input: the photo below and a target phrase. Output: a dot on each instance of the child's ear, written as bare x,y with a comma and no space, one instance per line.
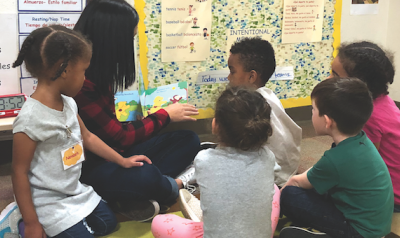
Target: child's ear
253,77
214,127
64,74
328,122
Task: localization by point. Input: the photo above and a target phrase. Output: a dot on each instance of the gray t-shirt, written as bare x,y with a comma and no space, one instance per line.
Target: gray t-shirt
60,199
237,188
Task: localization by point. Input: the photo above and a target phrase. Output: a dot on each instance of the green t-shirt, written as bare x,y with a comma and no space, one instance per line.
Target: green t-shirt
356,177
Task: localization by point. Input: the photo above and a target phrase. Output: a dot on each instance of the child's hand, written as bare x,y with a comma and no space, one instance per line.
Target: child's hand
181,112
133,161
34,230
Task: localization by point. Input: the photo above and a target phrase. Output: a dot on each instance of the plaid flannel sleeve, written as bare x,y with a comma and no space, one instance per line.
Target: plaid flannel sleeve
98,114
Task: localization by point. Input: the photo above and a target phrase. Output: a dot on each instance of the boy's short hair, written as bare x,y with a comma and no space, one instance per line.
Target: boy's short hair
256,54
346,100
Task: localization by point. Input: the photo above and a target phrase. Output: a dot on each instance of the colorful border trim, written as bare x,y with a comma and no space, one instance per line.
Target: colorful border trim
337,17
139,6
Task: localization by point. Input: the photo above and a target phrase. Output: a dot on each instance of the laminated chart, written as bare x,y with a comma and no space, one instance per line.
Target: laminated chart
8,52
186,27
34,14
50,5
302,21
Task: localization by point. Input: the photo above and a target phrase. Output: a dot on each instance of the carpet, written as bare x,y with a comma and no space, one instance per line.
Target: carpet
133,229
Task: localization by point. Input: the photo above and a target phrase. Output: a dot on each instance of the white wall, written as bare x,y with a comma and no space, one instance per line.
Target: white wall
365,27
8,6
383,29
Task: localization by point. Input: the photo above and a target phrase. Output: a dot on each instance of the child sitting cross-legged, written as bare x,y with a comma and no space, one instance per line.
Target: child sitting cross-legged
236,179
348,192
251,64
373,65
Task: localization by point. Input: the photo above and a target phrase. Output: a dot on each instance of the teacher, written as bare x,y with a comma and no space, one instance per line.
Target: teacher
130,186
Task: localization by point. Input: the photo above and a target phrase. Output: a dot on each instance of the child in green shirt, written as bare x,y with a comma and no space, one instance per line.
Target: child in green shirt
348,192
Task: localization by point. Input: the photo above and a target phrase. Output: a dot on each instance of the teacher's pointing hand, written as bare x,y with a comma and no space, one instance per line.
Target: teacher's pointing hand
181,112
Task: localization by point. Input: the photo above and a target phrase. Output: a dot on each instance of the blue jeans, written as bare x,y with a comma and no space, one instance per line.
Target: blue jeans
307,208
396,208
101,221
170,153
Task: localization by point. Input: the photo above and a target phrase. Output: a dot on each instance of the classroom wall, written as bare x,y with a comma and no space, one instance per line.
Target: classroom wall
365,27
392,43
8,6
382,28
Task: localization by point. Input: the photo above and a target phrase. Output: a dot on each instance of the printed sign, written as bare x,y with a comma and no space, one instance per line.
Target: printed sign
50,5
236,35
186,30
302,21
28,22
9,83
221,76
283,73
28,86
211,77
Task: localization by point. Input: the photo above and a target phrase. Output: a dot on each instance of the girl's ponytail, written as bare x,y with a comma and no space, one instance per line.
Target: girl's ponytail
26,46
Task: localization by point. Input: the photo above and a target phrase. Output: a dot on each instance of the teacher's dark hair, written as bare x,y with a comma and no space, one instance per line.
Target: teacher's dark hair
110,25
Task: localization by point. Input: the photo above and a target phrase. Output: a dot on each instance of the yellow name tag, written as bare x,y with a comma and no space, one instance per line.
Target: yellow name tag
73,155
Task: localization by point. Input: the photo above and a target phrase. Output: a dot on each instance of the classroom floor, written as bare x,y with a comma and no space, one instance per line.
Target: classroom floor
312,148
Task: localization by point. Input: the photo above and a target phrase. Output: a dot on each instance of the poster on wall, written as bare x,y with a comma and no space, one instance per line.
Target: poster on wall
235,35
364,7
28,86
41,13
29,22
50,5
186,30
9,83
302,21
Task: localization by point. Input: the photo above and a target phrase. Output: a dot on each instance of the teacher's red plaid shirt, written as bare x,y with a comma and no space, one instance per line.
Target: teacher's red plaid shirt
97,111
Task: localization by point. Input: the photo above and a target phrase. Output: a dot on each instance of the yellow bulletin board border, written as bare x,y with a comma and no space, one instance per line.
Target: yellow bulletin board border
209,112
139,6
336,26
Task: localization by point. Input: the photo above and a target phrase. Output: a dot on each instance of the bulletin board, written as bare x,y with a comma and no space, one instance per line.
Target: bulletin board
311,61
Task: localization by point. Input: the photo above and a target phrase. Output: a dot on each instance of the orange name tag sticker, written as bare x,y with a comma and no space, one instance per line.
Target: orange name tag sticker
73,155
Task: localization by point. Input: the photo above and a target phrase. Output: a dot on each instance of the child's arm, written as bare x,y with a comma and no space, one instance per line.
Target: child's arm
377,145
23,150
300,181
97,146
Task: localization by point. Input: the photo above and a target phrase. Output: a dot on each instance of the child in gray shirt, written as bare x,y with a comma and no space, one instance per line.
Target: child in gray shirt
236,179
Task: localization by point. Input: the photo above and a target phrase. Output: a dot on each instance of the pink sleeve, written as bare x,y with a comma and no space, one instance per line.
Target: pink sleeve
373,129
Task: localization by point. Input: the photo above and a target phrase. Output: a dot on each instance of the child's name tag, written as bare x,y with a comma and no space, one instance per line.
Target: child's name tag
73,155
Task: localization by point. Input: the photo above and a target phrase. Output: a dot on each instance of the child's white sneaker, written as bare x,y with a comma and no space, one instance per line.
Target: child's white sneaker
9,219
190,206
208,145
299,232
188,178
